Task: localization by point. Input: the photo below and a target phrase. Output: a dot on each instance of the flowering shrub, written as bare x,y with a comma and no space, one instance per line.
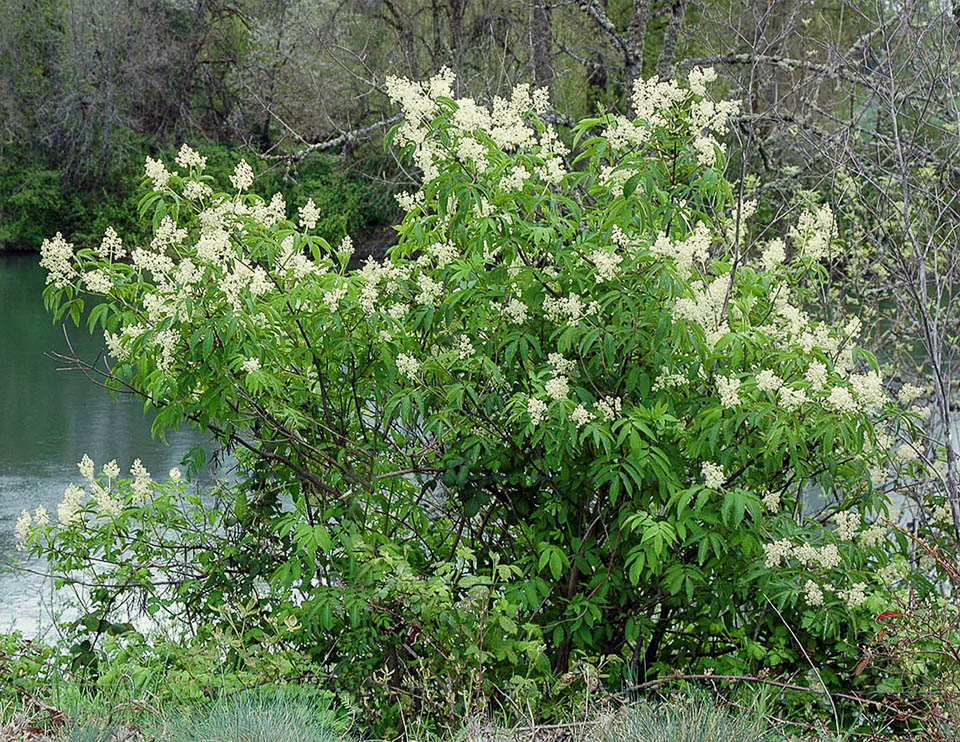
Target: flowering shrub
568,418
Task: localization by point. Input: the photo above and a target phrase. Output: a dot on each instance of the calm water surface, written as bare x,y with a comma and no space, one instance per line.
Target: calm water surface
48,420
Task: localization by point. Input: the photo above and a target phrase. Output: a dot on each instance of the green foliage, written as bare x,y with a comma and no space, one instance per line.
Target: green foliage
566,429
36,199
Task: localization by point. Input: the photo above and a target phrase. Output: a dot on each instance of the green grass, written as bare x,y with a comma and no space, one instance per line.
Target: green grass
254,717
684,720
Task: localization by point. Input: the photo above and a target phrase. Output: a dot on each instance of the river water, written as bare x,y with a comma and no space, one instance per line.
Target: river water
48,420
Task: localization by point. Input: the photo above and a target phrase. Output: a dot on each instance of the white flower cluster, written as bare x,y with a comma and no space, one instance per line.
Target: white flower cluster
465,348
26,522
168,234
570,309
609,408
908,394
141,481
771,501
388,275
668,381
580,416
713,475
729,390
704,308
515,179
408,366
333,297
813,232
868,390
56,255
841,400
537,409
188,158
777,552
768,381
250,365
166,341
430,290
774,254
816,375
694,247
699,78
653,100
607,265
98,281
111,246
855,596
157,172
517,311
812,593
410,201
242,177
194,190
557,388
444,253
505,124
848,523
561,366
792,399
116,343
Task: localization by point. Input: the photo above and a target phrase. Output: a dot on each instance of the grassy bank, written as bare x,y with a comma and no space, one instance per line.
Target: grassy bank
295,714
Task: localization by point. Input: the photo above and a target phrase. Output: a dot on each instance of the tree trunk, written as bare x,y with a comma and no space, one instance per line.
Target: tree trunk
541,45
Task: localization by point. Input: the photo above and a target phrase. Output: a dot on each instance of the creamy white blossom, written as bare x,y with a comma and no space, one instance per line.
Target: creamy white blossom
609,408
728,389
848,523
111,246
713,475
792,399
561,366
188,158
68,511
768,381
86,467
580,416
771,501
816,375
242,177
141,481
842,400
537,409
517,311
309,215
908,394
812,593
22,527
157,172
774,254
408,366
813,232
607,265
557,387
56,255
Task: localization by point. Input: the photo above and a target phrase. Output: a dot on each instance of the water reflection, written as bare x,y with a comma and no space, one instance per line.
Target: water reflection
49,419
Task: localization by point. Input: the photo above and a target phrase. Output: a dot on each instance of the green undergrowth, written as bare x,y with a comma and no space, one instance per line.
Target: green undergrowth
37,200
297,714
